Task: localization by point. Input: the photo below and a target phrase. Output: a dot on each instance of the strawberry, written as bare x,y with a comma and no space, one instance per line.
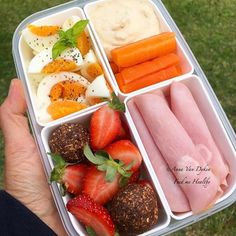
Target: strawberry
134,177
91,214
105,123
70,177
124,131
98,188
104,127
126,152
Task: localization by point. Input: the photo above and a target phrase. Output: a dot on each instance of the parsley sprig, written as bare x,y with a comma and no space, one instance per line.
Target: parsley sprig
68,38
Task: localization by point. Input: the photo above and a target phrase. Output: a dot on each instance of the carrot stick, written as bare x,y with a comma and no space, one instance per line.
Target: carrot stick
144,81
115,68
130,74
144,50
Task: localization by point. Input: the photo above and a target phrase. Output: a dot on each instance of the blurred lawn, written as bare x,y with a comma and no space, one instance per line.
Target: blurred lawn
210,29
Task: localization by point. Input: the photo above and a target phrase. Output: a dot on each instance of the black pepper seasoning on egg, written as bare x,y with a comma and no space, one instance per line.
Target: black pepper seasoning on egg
68,140
134,209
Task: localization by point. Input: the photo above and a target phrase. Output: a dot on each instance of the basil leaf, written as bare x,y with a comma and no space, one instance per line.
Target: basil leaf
68,38
79,27
58,48
62,34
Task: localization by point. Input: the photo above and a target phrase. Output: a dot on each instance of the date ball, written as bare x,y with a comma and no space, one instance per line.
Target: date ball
134,209
68,140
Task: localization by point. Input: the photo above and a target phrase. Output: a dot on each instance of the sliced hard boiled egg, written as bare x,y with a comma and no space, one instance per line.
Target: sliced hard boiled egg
91,71
60,109
60,94
97,90
90,57
69,22
40,37
91,68
69,60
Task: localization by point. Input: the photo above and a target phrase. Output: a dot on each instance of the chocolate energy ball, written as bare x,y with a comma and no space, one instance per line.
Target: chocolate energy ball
68,140
134,209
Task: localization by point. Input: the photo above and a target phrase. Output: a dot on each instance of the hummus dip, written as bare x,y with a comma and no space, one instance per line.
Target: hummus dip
120,22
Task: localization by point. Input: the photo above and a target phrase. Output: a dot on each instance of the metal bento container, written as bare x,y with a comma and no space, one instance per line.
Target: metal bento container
194,77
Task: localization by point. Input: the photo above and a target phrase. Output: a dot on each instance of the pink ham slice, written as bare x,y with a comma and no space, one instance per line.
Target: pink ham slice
174,194
187,112
178,150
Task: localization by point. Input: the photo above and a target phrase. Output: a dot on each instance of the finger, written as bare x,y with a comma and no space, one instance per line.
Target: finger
13,123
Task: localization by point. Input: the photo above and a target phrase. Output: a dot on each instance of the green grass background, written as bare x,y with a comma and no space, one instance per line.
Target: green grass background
209,27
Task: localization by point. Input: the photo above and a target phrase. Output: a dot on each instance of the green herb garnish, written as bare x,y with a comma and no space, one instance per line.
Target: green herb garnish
68,38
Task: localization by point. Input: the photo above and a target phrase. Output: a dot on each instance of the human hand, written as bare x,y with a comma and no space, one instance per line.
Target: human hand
24,177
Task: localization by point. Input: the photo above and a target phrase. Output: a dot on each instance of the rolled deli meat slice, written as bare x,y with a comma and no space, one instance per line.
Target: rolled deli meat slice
174,194
187,112
186,162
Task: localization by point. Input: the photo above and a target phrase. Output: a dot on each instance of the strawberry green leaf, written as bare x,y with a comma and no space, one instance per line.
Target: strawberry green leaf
90,231
124,172
129,166
57,159
59,167
62,189
97,160
102,154
121,163
105,162
102,167
123,181
110,173
116,104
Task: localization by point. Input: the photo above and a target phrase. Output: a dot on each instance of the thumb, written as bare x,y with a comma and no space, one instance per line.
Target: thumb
13,123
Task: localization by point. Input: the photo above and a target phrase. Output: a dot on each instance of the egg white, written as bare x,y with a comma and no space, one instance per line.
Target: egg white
45,86
39,43
98,89
89,58
69,22
44,57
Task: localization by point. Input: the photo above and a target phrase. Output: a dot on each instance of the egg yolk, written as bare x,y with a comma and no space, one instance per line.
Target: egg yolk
83,43
94,70
66,90
59,109
44,30
59,65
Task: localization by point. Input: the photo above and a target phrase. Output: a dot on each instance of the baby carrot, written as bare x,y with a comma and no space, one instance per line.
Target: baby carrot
144,81
114,67
132,73
144,50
